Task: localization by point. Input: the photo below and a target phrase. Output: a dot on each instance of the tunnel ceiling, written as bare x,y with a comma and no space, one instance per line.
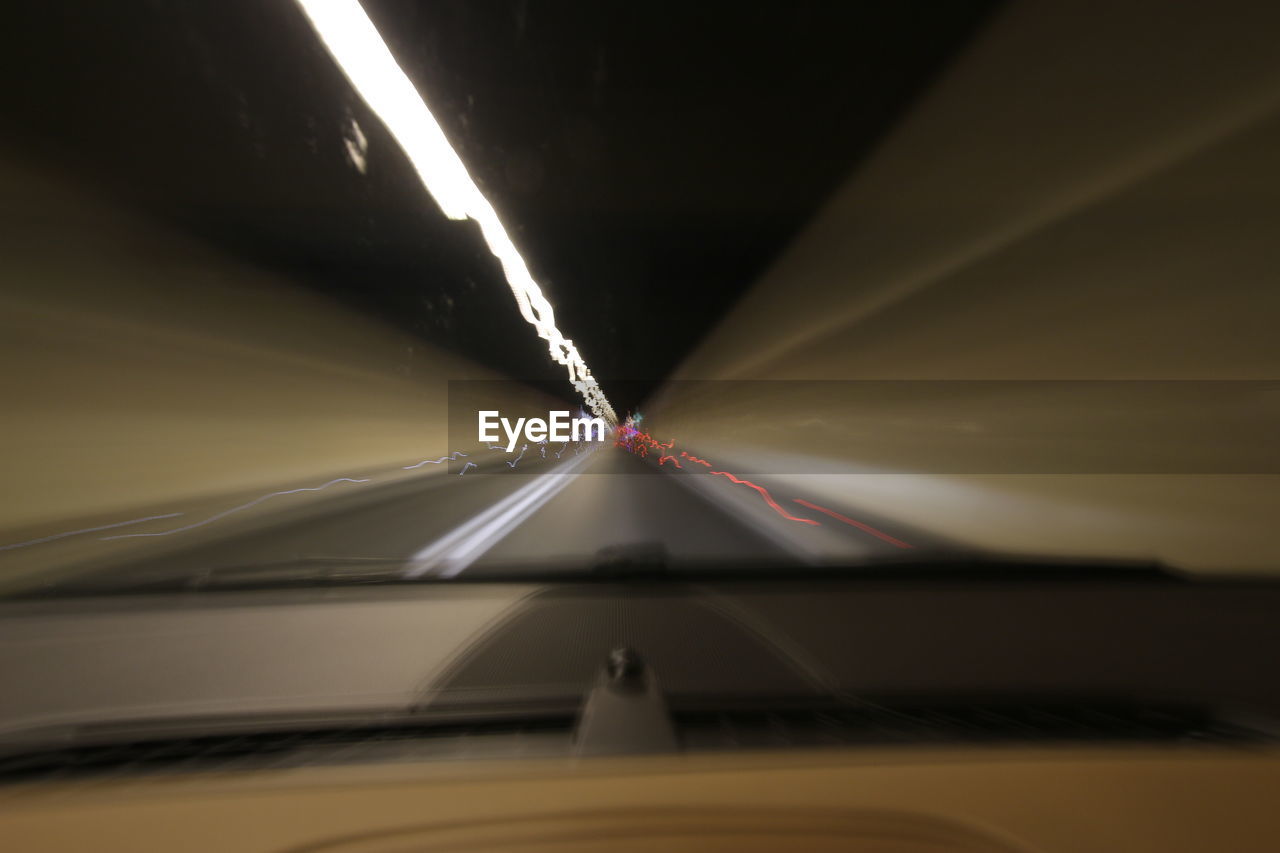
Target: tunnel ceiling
648,159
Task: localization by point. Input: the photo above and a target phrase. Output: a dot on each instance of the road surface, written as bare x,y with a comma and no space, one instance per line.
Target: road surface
545,514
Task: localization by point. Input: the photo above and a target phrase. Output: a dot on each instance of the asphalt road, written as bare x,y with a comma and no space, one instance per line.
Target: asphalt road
544,514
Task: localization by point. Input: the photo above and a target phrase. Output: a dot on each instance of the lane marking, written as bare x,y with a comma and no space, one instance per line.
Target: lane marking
459,548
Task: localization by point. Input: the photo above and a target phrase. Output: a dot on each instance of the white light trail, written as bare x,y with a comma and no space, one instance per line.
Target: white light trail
453,457
364,58
65,534
235,509
513,462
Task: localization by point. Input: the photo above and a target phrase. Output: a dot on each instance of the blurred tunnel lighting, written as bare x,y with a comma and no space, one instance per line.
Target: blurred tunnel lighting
364,58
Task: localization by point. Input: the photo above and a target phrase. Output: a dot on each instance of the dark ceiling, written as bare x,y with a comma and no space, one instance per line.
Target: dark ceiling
648,159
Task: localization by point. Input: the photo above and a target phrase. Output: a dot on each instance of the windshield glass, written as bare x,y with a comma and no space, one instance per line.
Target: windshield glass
339,292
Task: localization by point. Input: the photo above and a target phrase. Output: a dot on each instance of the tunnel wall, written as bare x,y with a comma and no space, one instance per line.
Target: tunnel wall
1090,192
141,371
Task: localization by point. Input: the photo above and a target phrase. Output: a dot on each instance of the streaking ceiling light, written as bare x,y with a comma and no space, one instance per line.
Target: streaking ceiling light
355,45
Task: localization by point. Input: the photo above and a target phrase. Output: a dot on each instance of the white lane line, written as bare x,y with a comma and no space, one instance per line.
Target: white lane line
459,548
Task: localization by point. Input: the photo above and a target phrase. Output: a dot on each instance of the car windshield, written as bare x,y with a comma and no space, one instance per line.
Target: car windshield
332,291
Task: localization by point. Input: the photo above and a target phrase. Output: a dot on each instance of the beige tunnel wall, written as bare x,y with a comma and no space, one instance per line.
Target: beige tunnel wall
141,370
1092,191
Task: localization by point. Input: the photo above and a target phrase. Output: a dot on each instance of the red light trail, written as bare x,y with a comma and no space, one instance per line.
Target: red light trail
764,493
639,442
855,523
